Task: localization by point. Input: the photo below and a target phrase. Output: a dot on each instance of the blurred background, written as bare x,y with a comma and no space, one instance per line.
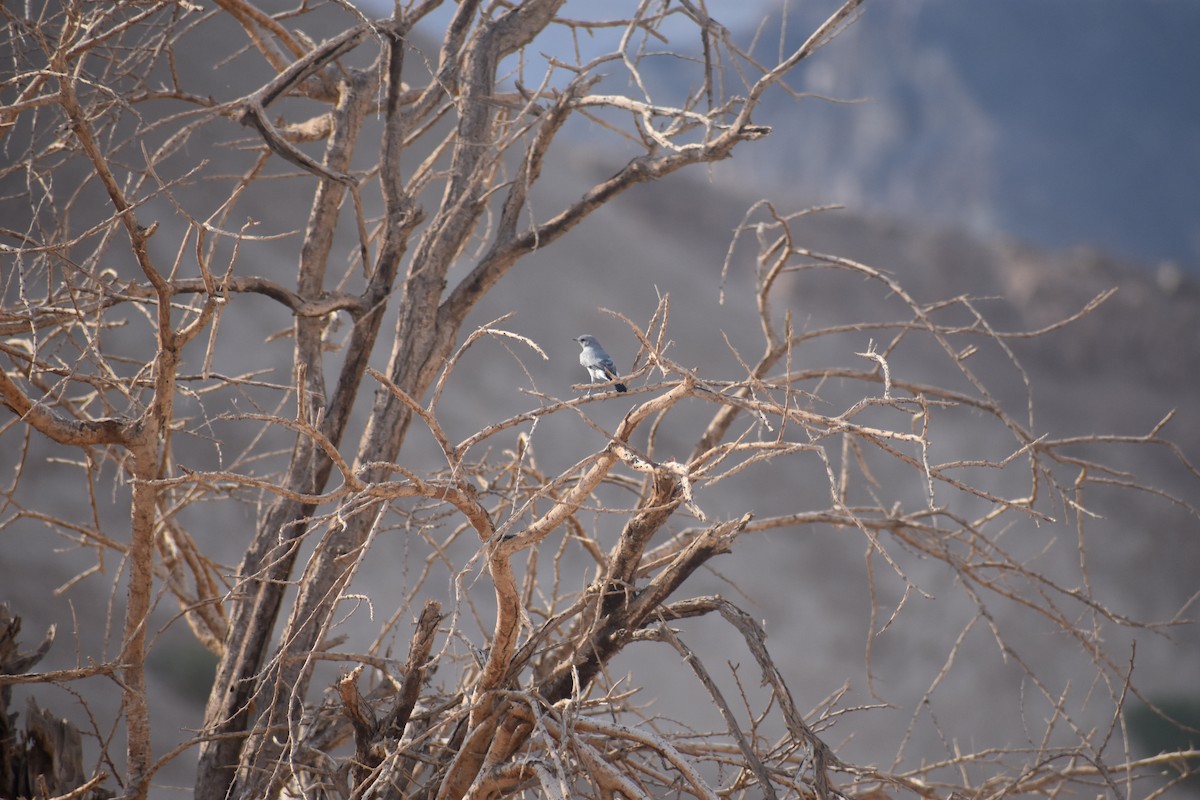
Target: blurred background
1031,153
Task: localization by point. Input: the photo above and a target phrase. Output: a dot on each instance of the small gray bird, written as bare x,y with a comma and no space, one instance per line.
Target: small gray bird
598,363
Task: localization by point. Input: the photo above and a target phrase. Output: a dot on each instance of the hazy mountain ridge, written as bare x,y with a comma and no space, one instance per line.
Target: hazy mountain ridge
1059,123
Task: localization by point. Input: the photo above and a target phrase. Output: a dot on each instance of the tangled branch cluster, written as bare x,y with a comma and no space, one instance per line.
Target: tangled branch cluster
134,250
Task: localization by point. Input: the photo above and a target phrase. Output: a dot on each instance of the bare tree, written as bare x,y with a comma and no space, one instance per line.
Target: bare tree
115,242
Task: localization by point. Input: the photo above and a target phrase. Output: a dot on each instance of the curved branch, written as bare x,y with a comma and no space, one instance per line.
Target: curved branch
81,433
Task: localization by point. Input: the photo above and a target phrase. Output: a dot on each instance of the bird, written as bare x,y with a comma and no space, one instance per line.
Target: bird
598,363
